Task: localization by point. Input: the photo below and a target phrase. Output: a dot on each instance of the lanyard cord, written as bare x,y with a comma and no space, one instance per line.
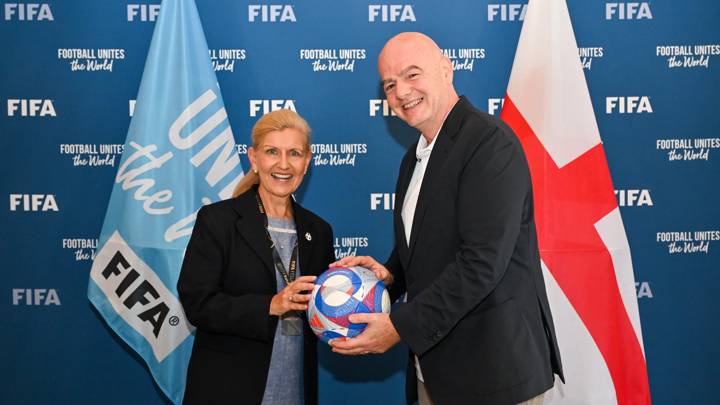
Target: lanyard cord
288,276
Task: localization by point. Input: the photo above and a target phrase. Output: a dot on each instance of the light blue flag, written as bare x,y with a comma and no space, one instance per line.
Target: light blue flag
179,155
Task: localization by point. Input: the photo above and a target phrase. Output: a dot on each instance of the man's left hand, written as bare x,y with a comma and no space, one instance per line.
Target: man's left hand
378,337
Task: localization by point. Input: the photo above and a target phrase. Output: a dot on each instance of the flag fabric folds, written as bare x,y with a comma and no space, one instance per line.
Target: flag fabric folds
583,246
179,154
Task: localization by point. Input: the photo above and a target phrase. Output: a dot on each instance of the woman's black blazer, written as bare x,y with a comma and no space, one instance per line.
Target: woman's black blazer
225,287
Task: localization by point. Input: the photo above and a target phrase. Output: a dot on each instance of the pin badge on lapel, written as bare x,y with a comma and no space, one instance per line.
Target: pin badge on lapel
308,236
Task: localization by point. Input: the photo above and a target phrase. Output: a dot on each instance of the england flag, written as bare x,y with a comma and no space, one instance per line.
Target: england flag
584,250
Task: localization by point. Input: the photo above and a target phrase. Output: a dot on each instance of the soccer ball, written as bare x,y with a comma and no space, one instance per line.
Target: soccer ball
340,292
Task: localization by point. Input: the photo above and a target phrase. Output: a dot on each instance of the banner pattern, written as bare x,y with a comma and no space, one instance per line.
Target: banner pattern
72,74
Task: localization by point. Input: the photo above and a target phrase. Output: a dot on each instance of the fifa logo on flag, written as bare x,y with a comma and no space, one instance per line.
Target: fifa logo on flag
628,11
146,12
28,12
140,296
30,108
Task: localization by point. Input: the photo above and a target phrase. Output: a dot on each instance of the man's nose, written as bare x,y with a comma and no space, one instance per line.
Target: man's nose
402,89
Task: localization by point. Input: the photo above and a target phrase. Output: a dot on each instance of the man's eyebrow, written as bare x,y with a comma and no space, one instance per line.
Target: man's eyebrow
402,73
409,68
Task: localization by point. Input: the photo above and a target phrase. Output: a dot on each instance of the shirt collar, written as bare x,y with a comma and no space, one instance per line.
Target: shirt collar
423,149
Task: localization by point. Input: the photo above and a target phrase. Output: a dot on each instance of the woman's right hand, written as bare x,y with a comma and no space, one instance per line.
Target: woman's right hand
294,297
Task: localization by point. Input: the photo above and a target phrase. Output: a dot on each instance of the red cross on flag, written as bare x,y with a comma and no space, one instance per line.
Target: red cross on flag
584,250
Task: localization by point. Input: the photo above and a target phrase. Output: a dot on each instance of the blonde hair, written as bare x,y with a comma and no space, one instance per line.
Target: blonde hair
271,122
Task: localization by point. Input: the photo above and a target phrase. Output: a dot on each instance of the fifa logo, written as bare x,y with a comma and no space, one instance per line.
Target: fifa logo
381,105
152,307
33,202
506,12
266,106
633,198
382,201
139,297
628,105
494,105
35,296
146,12
28,12
390,13
271,13
30,108
628,11
643,289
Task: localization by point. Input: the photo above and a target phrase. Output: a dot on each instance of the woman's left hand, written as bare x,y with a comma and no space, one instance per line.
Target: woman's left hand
294,297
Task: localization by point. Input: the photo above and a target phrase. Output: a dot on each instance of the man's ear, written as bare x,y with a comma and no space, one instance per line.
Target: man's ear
447,69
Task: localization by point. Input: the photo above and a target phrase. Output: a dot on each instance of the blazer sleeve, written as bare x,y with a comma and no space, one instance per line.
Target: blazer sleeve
206,306
492,190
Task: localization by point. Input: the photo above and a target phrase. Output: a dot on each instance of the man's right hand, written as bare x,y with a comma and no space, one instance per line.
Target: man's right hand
369,263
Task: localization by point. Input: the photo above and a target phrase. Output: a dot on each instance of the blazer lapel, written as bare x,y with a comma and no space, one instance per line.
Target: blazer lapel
406,170
445,141
306,236
251,227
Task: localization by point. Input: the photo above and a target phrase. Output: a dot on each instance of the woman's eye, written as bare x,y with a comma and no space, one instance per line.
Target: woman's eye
295,153
271,151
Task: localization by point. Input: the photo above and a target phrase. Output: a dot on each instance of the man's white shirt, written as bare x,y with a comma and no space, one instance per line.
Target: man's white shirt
422,154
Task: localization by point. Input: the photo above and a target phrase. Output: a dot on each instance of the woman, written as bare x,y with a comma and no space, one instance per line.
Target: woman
241,283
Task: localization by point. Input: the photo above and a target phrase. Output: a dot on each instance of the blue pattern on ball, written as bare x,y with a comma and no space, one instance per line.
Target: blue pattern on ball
360,292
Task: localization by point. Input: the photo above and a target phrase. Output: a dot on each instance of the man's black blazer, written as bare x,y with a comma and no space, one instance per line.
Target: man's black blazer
477,313
226,285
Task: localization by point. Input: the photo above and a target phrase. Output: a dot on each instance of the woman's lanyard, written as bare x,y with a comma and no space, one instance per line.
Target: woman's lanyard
288,276
290,322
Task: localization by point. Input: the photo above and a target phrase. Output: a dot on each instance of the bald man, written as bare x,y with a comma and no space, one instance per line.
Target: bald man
477,319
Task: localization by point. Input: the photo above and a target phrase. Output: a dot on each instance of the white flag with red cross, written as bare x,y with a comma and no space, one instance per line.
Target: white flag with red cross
584,250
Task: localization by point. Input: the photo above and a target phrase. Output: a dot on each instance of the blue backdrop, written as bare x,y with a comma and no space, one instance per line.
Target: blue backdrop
71,71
